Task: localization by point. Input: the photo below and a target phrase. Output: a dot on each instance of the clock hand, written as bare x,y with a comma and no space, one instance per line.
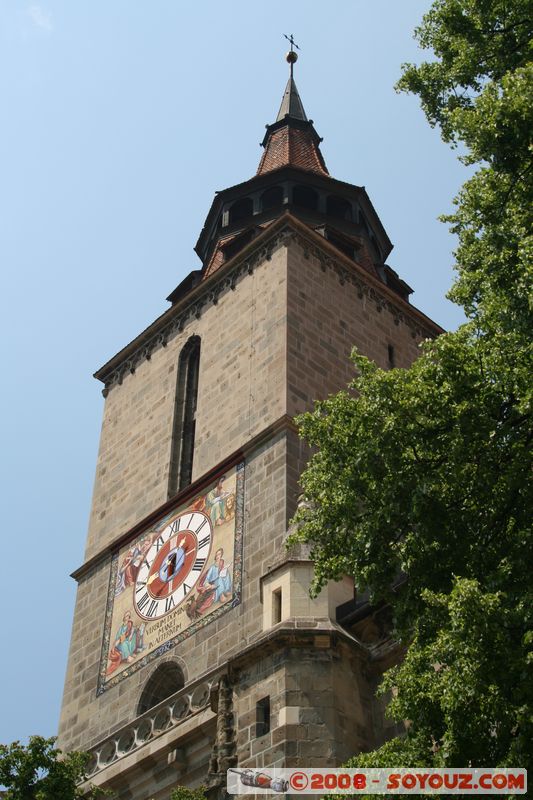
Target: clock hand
171,562
186,553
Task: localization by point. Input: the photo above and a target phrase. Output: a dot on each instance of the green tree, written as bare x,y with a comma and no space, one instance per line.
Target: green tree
426,471
183,793
38,771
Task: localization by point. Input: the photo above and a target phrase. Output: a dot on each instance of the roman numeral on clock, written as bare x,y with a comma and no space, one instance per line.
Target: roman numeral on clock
169,603
152,609
159,543
186,588
145,599
204,541
145,609
198,565
205,522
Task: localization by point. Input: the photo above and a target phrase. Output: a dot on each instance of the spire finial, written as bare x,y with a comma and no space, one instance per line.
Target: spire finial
292,55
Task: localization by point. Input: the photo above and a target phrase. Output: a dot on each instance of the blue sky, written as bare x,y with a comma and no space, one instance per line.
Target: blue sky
119,119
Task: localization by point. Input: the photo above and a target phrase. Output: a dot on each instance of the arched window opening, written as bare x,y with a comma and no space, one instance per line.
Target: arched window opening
242,209
272,198
166,681
184,426
338,207
304,197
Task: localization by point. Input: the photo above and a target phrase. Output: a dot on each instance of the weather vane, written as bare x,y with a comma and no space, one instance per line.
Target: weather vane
292,55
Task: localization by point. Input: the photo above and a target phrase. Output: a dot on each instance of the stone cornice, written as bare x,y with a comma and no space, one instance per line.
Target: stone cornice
226,278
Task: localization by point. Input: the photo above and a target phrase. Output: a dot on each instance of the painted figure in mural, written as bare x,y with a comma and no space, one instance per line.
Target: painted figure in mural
128,643
198,504
230,507
215,502
214,587
131,564
219,578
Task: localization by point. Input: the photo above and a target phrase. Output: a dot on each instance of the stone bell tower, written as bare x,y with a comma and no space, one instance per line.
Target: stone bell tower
195,645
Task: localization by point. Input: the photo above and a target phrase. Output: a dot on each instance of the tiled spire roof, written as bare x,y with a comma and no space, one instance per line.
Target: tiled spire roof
291,141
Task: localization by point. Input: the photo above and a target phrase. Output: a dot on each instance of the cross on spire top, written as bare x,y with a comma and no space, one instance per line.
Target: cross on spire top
292,55
291,40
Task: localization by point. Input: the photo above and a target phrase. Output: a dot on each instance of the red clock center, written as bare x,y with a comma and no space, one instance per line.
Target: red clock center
172,564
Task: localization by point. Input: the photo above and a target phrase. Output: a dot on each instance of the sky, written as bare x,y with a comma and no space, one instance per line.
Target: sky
119,119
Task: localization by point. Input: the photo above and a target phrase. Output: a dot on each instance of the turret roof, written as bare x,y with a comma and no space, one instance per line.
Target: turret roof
292,141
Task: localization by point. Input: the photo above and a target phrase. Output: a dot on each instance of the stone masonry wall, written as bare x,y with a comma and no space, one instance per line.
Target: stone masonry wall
325,320
241,391
321,707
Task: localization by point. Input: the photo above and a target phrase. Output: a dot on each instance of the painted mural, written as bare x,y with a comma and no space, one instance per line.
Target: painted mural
174,578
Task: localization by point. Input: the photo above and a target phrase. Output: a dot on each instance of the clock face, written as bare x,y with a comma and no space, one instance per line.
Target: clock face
173,564
173,576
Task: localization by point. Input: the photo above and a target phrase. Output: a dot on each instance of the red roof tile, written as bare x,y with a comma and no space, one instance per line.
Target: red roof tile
294,147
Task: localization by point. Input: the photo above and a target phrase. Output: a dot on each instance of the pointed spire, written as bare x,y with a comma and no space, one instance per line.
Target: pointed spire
291,141
291,105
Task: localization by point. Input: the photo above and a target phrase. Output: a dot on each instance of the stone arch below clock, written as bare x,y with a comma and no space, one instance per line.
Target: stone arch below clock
164,680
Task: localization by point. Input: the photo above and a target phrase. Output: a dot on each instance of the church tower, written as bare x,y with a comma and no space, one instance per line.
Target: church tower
195,646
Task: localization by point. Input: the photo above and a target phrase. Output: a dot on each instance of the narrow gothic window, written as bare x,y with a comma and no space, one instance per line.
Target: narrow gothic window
184,425
276,606
166,680
262,717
